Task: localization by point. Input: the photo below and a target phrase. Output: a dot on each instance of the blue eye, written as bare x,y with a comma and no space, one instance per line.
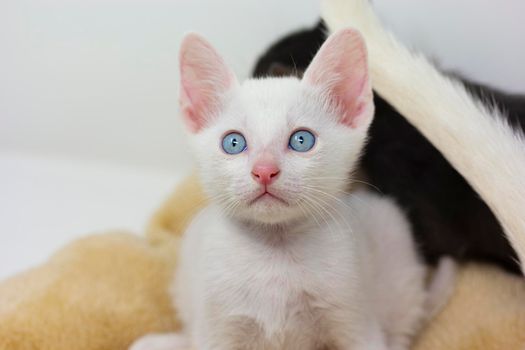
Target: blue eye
302,141
233,143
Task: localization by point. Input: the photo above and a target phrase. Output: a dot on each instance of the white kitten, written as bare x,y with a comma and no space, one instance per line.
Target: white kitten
471,134
283,258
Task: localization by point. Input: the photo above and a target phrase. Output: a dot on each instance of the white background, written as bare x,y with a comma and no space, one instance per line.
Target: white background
89,134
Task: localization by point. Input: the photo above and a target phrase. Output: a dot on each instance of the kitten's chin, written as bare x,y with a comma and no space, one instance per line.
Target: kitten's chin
270,211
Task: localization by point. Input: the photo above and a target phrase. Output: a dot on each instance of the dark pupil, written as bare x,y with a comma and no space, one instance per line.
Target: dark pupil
234,142
300,139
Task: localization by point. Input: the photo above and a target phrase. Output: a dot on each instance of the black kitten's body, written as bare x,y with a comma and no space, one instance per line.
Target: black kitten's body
448,217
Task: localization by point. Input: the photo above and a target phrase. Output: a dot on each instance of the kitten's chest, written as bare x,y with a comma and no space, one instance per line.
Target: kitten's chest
282,286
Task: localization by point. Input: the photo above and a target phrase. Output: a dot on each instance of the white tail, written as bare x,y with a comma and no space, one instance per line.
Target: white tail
471,134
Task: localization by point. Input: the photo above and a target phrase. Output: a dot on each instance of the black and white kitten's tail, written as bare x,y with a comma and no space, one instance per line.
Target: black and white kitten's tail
471,134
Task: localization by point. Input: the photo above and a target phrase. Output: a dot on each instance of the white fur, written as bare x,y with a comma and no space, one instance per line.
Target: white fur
353,281
441,287
472,135
324,269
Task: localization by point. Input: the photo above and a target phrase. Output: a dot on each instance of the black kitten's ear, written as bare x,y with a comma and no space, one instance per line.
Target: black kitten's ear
278,69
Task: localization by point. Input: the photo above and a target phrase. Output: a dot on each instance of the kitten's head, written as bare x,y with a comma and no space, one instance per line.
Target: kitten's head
276,149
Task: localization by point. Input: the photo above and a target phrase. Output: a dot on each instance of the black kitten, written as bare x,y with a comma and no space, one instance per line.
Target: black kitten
447,216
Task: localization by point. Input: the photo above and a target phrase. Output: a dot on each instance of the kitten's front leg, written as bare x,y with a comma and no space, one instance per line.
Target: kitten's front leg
162,341
370,337
374,340
228,333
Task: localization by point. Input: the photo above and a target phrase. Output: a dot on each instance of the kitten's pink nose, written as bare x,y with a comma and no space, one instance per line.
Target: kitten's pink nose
265,173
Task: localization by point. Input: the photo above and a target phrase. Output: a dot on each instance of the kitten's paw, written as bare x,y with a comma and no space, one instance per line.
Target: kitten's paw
441,286
167,341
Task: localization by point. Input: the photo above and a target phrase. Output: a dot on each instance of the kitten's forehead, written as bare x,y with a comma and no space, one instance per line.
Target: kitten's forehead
267,102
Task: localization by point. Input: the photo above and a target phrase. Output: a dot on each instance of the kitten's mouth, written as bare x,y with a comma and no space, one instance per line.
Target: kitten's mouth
268,196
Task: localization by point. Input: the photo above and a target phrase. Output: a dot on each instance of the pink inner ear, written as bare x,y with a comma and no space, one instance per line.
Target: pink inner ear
340,68
205,78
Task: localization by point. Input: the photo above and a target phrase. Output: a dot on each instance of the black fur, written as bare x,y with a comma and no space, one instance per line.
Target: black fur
447,216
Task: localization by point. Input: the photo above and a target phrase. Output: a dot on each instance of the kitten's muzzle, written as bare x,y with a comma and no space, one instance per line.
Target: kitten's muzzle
266,195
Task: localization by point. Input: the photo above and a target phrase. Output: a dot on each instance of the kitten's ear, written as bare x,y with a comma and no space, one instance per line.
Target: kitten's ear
204,79
340,69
